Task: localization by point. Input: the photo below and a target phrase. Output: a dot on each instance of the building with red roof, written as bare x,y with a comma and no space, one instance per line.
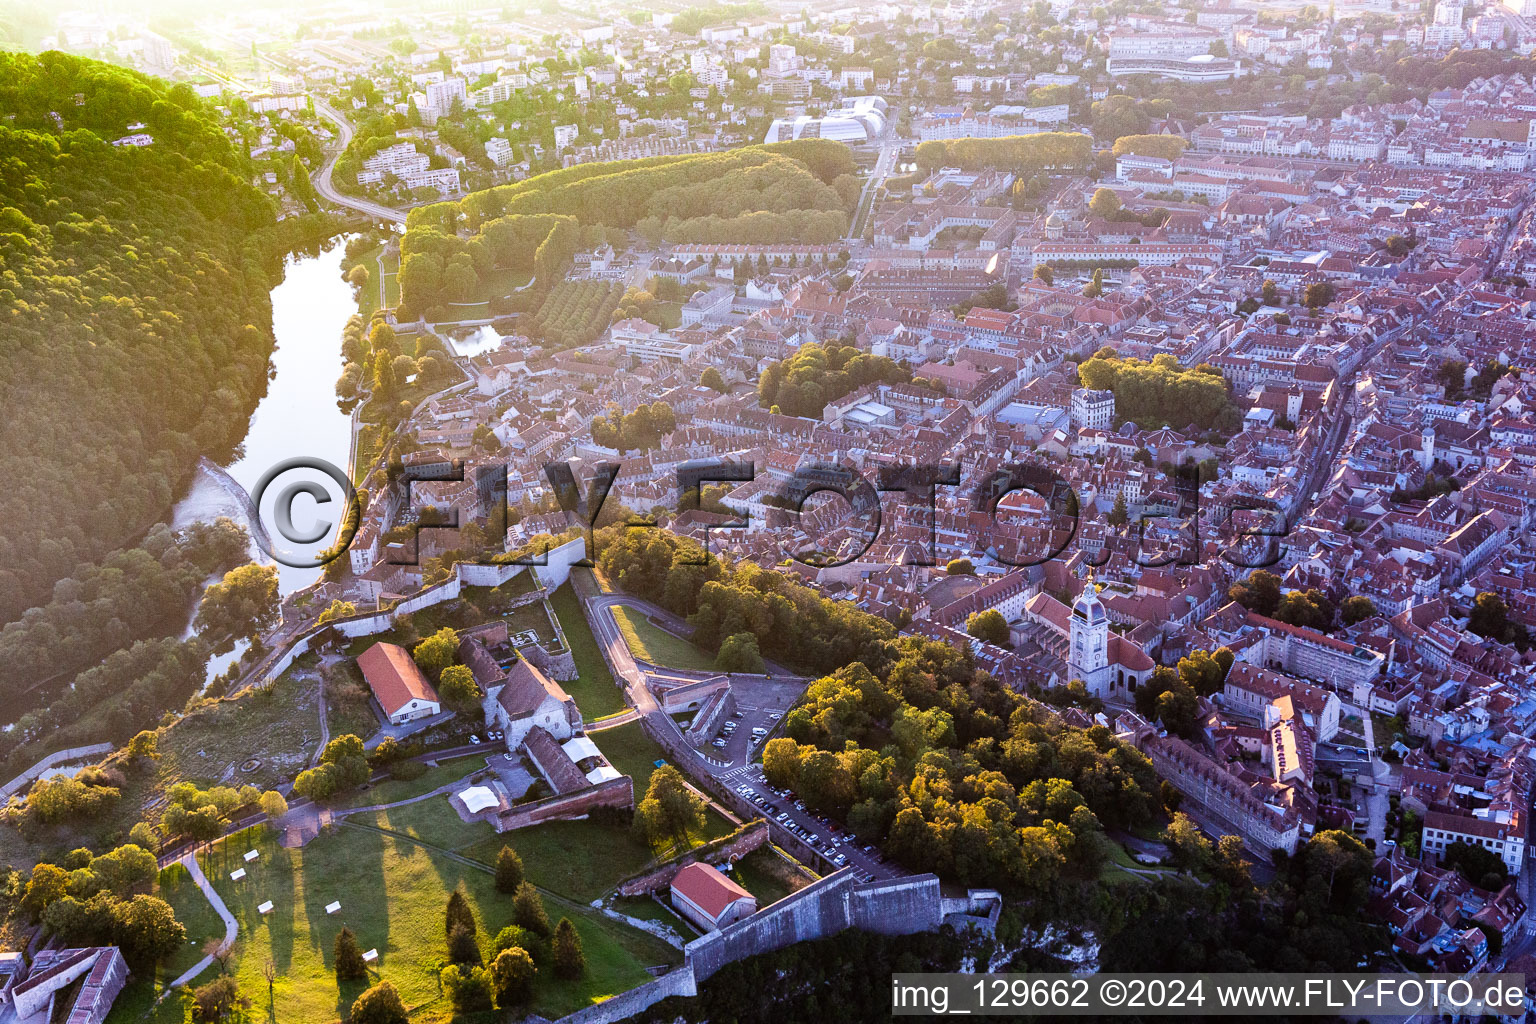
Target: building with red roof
709,899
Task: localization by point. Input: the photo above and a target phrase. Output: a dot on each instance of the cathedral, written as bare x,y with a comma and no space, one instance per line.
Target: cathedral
1110,666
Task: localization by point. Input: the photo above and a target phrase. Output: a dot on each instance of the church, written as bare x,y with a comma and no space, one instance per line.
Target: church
1110,666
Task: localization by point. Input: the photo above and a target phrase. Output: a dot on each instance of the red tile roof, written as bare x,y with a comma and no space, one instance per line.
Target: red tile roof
394,677
708,889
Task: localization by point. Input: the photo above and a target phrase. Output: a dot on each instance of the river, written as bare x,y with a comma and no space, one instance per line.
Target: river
297,418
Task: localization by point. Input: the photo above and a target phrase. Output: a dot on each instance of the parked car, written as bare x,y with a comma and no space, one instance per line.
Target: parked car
473,738
719,742
839,860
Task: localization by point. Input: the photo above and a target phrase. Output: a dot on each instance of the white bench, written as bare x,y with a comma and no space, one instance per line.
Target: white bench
264,908
237,874
331,908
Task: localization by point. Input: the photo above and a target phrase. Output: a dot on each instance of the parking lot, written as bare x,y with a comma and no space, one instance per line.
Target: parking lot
785,813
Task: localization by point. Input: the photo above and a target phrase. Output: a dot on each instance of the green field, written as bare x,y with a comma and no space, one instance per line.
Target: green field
649,642
595,692
193,910
392,893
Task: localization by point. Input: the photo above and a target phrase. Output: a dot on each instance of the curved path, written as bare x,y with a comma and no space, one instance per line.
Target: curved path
231,927
323,176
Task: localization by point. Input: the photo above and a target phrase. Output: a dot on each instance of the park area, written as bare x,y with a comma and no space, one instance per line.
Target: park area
392,870
393,889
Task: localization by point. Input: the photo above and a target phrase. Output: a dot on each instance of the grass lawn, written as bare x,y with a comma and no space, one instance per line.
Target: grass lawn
648,908
391,790
193,910
502,281
594,689
391,279
649,642
392,895
768,875
370,442
348,701
530,617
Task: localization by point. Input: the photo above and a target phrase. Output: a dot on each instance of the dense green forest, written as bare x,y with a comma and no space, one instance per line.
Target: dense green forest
794,191
133,293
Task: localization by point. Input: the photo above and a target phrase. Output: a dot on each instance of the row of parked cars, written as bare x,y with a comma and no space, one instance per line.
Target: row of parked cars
729,729
828,848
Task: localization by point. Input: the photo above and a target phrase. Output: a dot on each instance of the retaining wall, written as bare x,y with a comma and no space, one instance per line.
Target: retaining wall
751,836
618,792
826,907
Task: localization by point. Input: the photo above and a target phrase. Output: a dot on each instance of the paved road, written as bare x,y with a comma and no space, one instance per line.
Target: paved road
231,927
877,175
793,827
323,176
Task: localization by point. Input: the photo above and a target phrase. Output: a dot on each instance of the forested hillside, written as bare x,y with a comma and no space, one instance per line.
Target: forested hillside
801,191
134,319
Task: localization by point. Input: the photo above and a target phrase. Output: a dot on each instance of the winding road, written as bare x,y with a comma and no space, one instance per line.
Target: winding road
322,177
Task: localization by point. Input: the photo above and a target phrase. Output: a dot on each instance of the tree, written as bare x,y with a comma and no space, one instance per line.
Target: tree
781,763
1105,203
273,805
1259,593
570,962
1191,850
989,627
1356,609
461,929
1120,514
1490,616
509,871
512,975
348,958
1318,294
216,1000
147,930
711,378
458,688
1269,292
739,653
380,1004
145,745
1168,147
468,987
960,567
670,811
437,652
241,605
528,909
1045,274
1478,865
269,971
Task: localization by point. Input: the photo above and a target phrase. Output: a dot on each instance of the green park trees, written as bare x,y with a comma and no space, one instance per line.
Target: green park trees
988,626
815,375
173,362
242,604
670,810
1161,392
509,871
